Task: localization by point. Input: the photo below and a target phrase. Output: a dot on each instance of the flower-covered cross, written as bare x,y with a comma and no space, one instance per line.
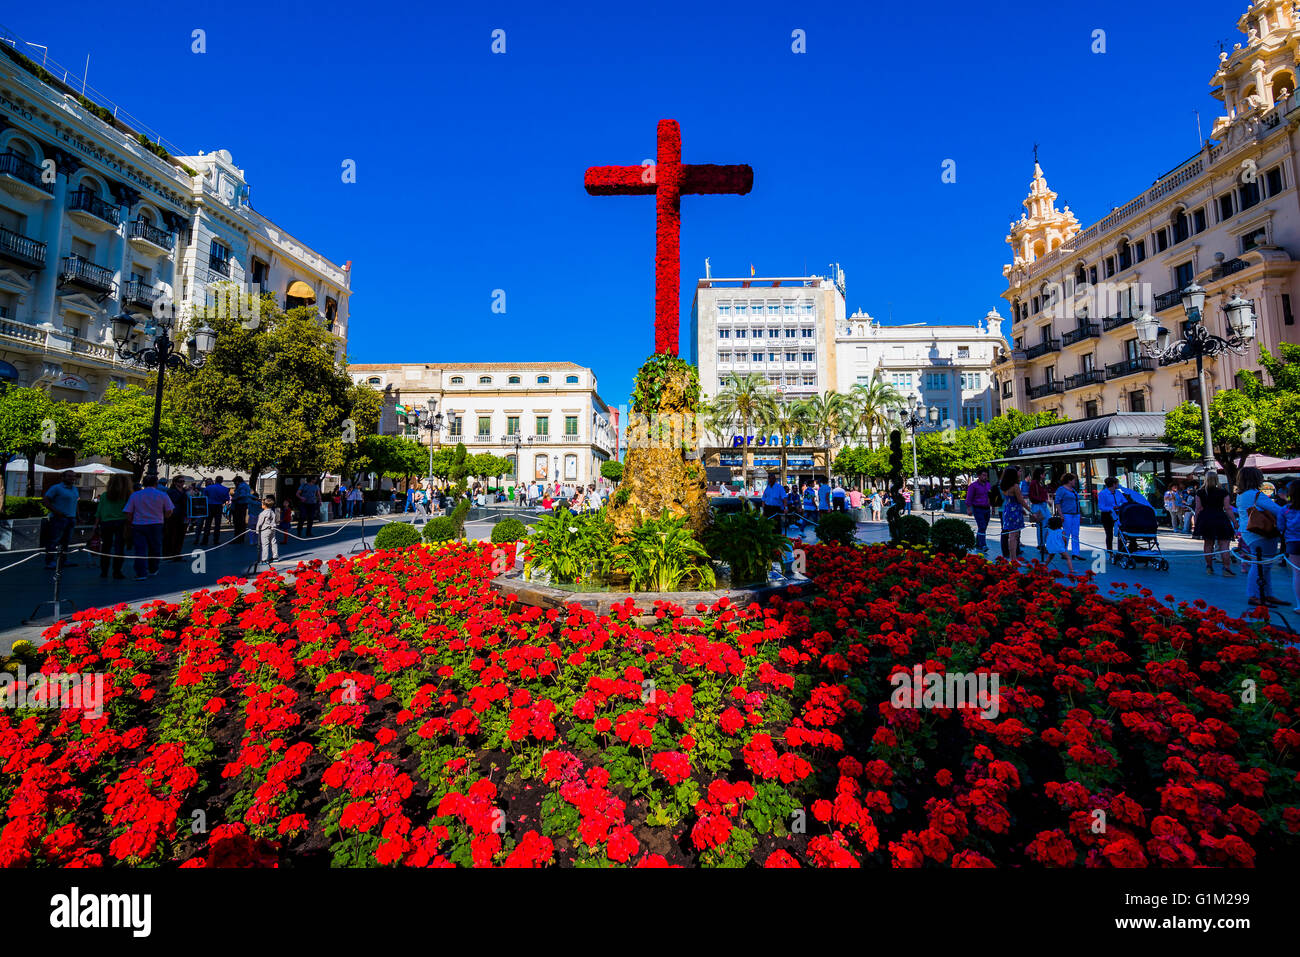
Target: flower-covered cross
668,179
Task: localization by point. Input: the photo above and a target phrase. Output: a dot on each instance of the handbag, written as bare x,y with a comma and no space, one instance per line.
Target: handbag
96,540
1261,523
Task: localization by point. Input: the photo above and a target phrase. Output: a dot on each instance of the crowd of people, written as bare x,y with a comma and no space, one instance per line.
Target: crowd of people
425,499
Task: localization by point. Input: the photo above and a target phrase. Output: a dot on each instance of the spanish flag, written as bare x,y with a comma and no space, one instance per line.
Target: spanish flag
751,269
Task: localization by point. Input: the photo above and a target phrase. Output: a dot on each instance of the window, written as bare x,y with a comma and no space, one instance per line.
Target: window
943,414
756,356
1131,352
1248,194
1273,180
1252,239
1287,318
512,425
758,333
570,467
218,255
485,380
1180,226
724,356
513,471
741,308
1198,220
1090,409
773,333
1161,239
543,380
513,380
773,357
457,380
971,380
1006,389
809,356
374,380
742,333
724,333
1137,402
773,308
1193,387
541,466
806,333
1183,275
454,426
791,357
810,380
570,380
1139,250
1125,255
788,308
807,307
484,425
790,333
724,308
901,380
1049,375
971,415
963,352
571,425
936,380
1226,207
1086,363
543,425
1110,266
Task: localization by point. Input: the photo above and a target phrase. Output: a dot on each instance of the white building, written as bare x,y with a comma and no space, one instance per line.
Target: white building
564,428
948,367
96,218
782,328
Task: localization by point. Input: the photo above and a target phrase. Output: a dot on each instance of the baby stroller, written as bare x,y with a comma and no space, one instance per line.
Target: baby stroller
1136,537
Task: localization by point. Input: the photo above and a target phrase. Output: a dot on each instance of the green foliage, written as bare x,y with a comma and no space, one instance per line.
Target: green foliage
838,528
952,535
397,535
747,541
458,517
621,496
1001,430
612,470
663,555
440,528
509,530
119,426
23,506
860,461
648,387
569,547
390,455
913,530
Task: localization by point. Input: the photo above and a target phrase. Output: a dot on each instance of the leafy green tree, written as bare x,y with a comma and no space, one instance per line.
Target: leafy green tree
862,463
612,469
276,395
1002,429
393,457
31,422
741,401
119,427
869,407
785,420
824,417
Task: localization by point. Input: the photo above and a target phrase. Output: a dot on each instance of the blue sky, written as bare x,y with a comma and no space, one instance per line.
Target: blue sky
470,164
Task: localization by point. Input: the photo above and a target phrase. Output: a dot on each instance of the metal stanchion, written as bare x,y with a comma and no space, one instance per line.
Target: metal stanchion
59,607
361,546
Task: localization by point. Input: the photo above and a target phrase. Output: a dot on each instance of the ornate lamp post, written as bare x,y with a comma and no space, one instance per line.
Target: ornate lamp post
1198,343
515,439
912,418
430,418
160,353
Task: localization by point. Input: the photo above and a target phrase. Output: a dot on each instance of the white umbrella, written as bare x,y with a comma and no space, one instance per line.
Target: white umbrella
96,468
20,465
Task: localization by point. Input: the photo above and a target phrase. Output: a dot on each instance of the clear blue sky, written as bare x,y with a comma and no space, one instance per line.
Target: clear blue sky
470,164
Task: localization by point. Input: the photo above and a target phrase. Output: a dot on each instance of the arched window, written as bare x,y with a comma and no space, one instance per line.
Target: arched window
543,379
485,380
457,380
571,379
374,380
513,380
1283,85
514,472
1125,254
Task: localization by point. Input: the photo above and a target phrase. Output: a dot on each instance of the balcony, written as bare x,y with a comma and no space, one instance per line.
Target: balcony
1114,322
92,212
220,267
137,293
1224,269
29,336
1086,330
148,238
1043,348
1091,377
1130,367
87,275
22,179
1046,389
22,250
1167,300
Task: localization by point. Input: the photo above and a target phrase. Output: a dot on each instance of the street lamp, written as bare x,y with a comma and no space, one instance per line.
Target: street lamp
430,418
1198,343
912,418
160,353
516,439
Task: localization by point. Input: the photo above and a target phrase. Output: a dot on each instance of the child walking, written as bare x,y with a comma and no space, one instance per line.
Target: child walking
1055,543
265,528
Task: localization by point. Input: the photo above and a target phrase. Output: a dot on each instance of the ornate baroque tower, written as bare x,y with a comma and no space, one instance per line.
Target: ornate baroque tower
1253,79
1042,228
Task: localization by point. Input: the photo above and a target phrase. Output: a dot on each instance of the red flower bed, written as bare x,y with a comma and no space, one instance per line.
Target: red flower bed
392,710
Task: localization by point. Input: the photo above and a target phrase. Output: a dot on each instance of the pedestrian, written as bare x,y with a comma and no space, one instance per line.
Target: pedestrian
823,496
286,519
1260,534
1173,505
1213,526
1067,506
876,503
269,548
410,499
241,498
1291,535
1037,495
1189,503
175,526
217,495
1056,542
308,496
838,498
774,501
61,500
1112,497
907,499
810,503
855,501
147,510
355,500
110,519
1014,509
980,506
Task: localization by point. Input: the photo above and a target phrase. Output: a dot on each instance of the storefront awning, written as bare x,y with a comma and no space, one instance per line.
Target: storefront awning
1120,433
300,290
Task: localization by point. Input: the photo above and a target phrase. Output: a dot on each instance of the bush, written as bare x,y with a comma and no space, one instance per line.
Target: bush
457,518
19,506
396,535
509,530
952,535
913,530
747,541
837,528
440,529
662,555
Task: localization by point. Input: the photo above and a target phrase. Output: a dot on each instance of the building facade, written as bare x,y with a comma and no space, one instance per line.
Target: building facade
565,430
95,220
1228,218
948,367
782,328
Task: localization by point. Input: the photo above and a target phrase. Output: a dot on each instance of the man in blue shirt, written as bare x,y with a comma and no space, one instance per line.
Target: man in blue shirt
240,501
774,500
837,497
1108,500
823,497
217,495
308,496
61,500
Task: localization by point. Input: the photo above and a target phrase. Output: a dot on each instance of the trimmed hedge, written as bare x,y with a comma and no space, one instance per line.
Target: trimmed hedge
952,535
397,535
837,528
23,506
913,530
440,529
509,530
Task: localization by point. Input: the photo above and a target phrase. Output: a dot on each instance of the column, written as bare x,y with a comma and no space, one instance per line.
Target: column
43,307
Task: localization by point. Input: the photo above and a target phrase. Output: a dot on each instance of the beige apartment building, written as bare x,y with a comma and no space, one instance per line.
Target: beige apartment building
1228,218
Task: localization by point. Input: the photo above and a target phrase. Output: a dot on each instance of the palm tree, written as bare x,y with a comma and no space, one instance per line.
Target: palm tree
782,418
824,417
741,401
871,404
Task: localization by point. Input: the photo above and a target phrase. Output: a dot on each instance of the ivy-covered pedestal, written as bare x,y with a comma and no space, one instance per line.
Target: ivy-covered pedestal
662,471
